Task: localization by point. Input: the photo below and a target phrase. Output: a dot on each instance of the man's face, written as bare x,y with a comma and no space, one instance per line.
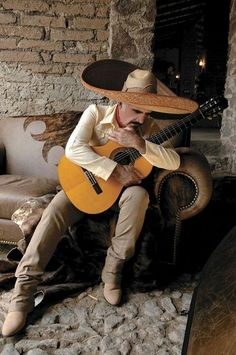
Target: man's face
130,115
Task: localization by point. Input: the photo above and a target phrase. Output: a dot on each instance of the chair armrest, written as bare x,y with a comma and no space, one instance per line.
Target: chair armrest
2,159
181,194
188,189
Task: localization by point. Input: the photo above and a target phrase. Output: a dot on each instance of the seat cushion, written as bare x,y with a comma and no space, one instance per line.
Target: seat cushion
16,189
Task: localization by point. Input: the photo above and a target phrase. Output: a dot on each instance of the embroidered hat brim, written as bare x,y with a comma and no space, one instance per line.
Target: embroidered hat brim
106,77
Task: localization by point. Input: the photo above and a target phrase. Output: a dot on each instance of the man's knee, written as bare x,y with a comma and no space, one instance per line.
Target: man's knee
137,195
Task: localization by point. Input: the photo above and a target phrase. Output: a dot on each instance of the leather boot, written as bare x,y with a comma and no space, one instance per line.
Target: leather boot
112,293
14,322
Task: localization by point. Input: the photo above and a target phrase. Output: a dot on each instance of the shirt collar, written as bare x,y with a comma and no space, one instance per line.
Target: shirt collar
110,117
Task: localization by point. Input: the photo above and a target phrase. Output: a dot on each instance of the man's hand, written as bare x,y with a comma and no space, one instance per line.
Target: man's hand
128,138
127,175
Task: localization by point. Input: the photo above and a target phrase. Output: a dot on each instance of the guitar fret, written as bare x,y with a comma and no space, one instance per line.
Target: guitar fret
174,130
201,113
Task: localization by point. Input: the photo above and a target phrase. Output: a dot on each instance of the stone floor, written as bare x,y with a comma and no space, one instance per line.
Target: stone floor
150,323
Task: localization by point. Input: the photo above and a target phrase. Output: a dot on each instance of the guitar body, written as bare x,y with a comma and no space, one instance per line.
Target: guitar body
81,192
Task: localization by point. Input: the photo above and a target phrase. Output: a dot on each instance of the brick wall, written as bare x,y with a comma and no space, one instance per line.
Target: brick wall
44,45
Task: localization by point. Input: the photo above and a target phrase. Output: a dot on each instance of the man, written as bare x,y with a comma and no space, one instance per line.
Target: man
127,125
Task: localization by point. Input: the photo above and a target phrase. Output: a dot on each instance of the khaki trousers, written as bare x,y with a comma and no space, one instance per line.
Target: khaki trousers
56,218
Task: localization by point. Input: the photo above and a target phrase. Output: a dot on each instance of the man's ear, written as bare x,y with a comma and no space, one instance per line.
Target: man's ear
120,106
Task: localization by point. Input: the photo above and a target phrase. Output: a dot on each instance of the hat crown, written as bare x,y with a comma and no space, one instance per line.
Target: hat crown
142,80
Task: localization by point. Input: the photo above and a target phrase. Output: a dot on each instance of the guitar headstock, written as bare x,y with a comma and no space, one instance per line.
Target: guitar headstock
211,107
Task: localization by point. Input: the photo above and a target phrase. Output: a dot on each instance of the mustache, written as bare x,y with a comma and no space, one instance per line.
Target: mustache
135,124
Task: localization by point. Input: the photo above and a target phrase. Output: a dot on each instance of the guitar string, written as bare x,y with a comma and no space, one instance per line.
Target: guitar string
91,177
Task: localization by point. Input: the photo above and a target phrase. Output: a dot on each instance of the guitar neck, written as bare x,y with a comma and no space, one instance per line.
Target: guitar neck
176,128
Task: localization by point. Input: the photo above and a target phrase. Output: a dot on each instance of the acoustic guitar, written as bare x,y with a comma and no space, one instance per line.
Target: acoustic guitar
92,194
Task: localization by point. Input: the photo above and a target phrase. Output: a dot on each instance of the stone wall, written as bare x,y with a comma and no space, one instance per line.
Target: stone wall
228,131
45,44
131,31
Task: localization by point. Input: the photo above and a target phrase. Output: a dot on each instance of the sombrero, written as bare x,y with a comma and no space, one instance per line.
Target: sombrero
106,77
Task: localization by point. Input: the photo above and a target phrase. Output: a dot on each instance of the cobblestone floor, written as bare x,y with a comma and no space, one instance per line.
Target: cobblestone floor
150,323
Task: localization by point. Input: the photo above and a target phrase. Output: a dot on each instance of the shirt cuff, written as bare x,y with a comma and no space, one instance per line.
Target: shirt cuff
105,169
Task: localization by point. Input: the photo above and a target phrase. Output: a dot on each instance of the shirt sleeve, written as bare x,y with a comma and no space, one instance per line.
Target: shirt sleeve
80,152
164,158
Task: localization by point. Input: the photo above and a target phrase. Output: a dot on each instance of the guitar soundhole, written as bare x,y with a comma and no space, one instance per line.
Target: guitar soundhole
121,158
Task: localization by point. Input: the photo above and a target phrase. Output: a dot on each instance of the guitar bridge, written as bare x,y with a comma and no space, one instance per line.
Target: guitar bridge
97,188
91,178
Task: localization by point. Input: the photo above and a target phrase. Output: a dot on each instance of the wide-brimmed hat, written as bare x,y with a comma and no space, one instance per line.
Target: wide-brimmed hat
107,77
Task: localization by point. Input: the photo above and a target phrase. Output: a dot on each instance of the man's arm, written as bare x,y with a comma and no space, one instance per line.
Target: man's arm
79,151
164,158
